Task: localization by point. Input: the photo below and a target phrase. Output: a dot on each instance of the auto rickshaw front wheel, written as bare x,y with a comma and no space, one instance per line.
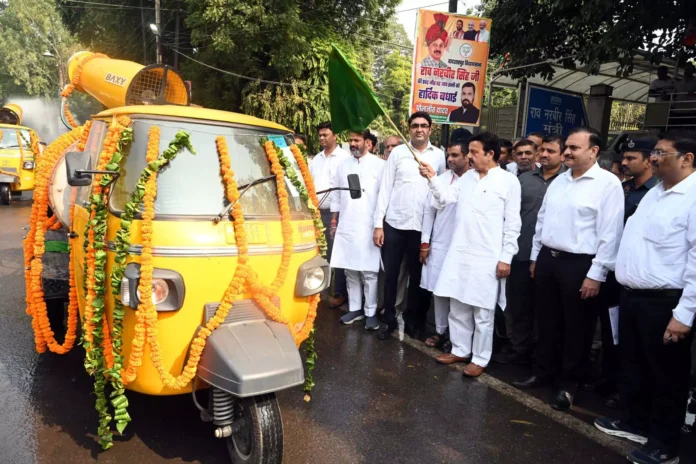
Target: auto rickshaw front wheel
258,437
5,194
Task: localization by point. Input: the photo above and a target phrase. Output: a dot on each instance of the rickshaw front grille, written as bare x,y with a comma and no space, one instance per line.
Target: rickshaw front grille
242,311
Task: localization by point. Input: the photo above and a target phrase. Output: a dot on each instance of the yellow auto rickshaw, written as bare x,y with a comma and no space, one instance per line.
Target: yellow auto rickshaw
195,245
18,147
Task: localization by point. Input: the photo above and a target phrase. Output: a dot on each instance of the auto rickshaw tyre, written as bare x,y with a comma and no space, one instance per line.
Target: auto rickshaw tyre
260,440
5,194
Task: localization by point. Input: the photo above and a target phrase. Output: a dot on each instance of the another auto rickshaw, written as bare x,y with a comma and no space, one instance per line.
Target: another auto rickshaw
19,147
195,245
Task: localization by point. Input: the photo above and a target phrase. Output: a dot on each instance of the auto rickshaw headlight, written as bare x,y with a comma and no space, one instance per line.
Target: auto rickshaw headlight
167,288
160,291
28,165
313,277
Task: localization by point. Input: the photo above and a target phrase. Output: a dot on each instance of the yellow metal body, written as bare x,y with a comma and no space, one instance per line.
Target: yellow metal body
206,277
12,158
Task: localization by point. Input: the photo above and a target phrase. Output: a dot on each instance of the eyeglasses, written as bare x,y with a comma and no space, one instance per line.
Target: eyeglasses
419,126
660,153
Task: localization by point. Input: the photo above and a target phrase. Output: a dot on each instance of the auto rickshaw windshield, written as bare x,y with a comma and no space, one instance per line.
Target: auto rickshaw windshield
191,185
11,140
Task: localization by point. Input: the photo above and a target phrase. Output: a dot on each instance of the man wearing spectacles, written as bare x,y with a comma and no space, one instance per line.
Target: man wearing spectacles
656,265
399,221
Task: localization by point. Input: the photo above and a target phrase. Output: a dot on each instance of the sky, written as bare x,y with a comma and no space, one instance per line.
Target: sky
408,18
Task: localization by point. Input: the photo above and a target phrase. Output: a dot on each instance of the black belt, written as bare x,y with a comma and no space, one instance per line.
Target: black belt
654,293
565,255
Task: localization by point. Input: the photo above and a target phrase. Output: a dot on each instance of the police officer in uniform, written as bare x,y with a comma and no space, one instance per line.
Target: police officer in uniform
656,265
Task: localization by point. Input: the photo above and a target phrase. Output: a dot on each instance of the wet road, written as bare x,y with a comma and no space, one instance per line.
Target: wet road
374,402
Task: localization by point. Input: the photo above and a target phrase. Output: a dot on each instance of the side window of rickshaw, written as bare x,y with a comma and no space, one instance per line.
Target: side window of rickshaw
191,185
93,147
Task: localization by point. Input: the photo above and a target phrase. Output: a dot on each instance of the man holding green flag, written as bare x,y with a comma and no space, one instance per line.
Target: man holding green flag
400,205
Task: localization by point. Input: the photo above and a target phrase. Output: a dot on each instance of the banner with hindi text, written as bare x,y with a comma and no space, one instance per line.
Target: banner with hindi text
449,72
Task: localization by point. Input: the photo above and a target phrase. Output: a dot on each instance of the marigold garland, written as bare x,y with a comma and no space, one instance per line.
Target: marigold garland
34,250
85,135
35,146
68,89
98,346
309,194
135,359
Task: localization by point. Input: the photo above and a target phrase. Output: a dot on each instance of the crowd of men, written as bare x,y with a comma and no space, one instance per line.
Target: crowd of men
538,230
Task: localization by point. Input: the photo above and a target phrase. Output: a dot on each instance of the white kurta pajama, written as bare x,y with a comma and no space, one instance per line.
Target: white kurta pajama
354,249
486,227
438,227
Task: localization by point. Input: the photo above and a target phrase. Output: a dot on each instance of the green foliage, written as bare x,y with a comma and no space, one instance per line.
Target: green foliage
591,32
28,29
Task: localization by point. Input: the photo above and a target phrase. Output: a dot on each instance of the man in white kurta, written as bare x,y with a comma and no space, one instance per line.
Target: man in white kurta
487,225
437,234
354,249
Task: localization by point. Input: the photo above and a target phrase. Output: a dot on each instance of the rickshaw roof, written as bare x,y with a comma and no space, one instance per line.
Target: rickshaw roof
192,112
14,126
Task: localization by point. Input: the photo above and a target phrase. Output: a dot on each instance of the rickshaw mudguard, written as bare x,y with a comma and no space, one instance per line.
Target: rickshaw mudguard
252,357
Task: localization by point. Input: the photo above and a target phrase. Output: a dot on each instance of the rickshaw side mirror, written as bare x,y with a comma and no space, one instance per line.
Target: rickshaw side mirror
354,186
75,163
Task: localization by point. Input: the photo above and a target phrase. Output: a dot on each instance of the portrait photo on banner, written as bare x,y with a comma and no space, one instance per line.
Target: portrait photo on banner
449,66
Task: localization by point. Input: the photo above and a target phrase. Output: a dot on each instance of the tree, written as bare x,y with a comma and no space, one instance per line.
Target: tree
29,29
285,41
591,32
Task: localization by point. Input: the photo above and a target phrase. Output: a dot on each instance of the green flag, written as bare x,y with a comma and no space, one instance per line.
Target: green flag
353,104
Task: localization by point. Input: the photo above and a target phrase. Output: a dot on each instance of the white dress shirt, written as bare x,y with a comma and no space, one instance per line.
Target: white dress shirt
583,216
658,249
323,169
486,227
403,191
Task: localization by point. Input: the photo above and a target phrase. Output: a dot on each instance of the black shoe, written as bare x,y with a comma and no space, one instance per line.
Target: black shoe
530,382
416,333
386,332
563,401
511,357
447,346
615,401
616,428
650,454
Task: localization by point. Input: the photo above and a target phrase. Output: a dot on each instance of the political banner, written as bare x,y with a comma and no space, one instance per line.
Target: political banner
449,66
551,111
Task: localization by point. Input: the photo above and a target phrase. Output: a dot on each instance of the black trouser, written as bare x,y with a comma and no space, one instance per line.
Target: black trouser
339,274
397,245
566,322
519,313
655,376
609,294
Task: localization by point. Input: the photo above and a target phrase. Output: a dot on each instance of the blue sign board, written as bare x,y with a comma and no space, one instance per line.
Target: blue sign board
552,112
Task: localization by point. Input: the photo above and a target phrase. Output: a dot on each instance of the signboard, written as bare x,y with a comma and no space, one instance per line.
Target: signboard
449,67
551,111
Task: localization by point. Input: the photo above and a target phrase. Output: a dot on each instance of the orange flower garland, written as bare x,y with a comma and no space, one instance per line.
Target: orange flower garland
135,359
113,135
232,292
34,250
68,89
314,199
35,146
85,135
